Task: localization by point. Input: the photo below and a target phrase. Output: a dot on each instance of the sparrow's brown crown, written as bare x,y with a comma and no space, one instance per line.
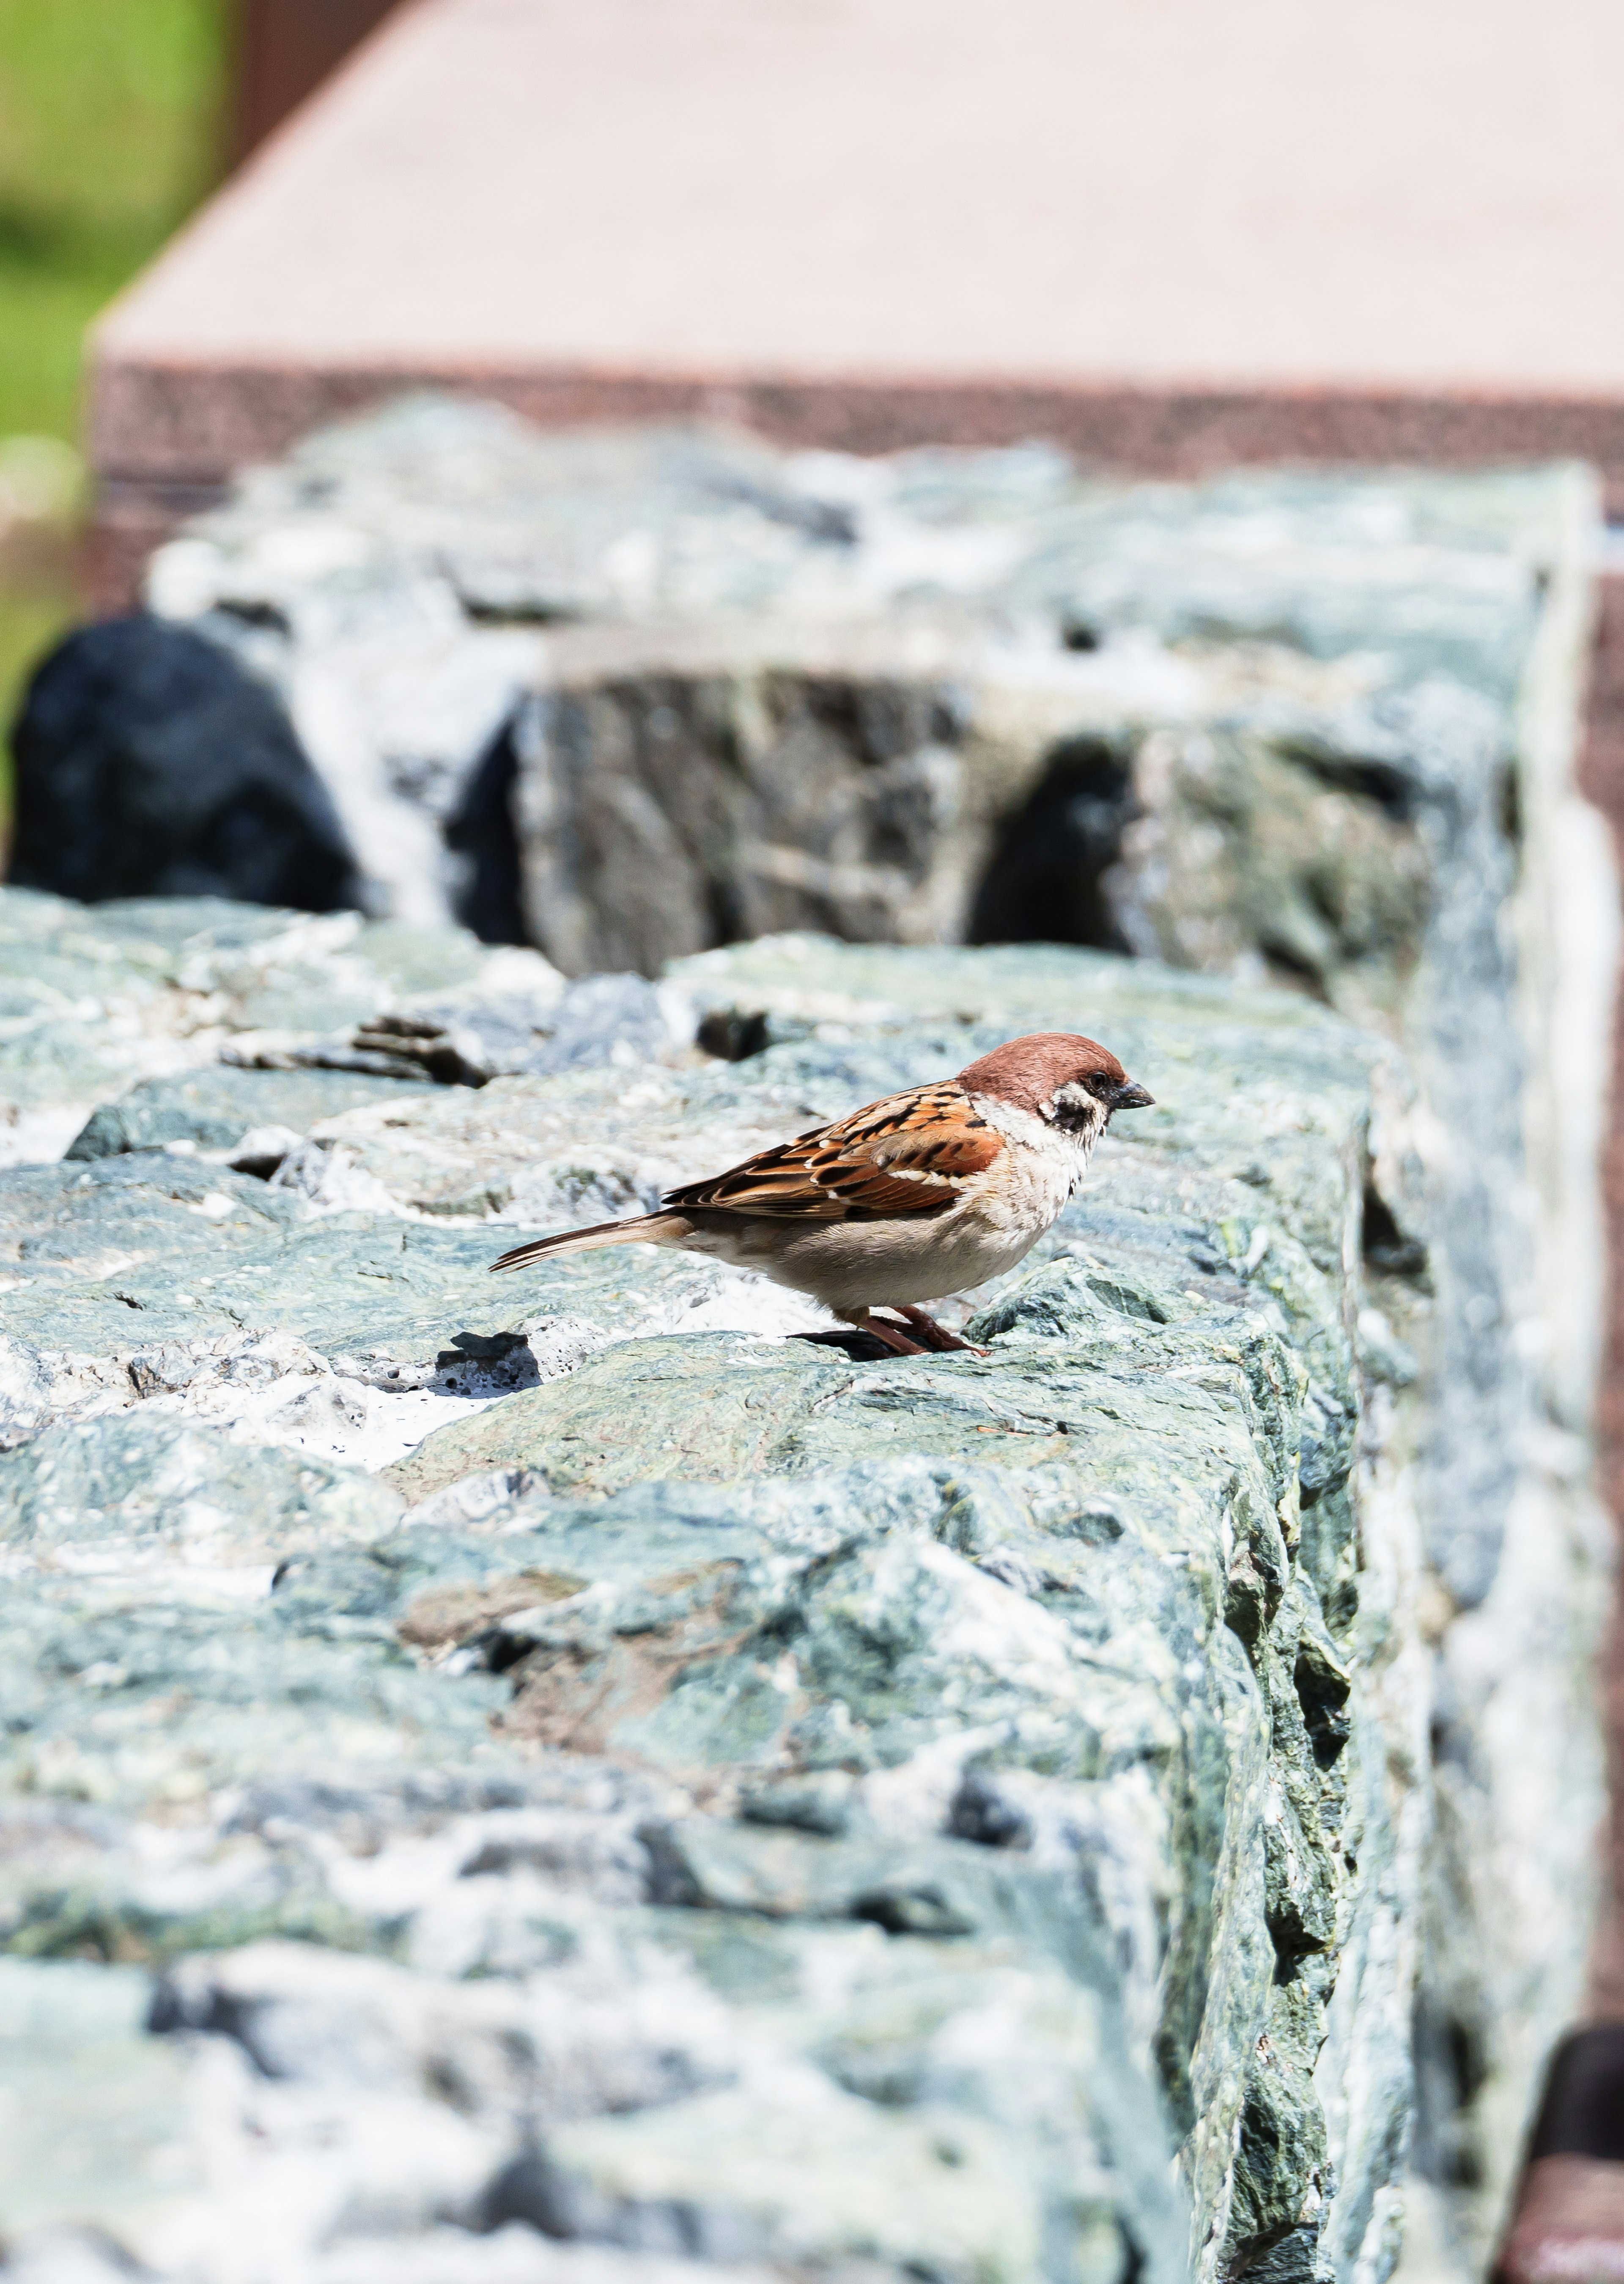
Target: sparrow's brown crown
1029,1073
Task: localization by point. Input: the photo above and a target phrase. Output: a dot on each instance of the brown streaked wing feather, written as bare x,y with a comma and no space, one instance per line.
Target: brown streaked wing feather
911,1154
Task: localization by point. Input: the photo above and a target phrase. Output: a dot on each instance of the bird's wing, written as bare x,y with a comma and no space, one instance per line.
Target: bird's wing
912,1153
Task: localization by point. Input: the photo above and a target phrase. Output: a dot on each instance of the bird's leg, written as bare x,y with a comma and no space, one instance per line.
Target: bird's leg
881,1328
932,1335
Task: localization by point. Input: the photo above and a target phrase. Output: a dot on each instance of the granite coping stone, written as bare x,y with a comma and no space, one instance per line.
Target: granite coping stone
677,1621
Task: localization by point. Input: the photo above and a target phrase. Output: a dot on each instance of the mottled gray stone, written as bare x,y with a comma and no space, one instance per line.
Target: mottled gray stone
93,998
783,691
484,1032
708,1780
215,1107
1029,1622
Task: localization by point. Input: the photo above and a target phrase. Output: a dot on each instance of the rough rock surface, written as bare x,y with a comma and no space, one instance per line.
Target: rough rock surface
943,696
154,990
1208,1670
708,1797
1315,728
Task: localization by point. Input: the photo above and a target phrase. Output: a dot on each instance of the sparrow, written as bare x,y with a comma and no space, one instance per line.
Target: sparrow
927,1192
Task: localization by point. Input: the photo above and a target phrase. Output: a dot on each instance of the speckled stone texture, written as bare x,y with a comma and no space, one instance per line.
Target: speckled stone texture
913,700
567,1757
920,1798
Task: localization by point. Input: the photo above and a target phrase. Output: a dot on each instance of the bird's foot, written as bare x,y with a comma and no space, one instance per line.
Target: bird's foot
929,1335
891,1334
862,1337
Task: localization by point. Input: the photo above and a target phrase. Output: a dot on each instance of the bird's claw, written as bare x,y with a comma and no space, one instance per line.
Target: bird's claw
898,1338
929,1335
921,1335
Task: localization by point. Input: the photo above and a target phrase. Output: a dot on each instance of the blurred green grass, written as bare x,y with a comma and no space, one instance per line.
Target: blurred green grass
111,130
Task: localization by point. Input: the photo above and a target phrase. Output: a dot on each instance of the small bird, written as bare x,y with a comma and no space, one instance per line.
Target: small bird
924,1194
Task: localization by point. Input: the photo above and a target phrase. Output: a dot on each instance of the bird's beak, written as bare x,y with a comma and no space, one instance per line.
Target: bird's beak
1132,1097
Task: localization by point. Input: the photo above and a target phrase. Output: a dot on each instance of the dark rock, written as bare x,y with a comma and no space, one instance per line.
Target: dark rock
480,834
1045,880
151,764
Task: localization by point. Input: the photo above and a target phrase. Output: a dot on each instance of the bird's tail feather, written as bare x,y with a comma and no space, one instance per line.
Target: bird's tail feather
646,1228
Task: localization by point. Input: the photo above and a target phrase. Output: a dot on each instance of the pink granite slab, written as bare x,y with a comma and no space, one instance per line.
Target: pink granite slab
1170,234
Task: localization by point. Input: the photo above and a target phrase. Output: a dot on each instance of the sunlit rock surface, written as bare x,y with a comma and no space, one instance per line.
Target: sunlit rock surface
98,997
561,1755
877,1812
